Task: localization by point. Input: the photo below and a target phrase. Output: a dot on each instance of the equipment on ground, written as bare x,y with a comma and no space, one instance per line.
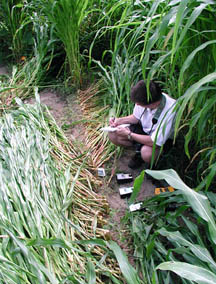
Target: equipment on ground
125,191
124,178
159,190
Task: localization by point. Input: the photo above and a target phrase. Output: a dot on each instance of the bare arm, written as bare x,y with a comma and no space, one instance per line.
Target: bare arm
131,119
125,131
142,139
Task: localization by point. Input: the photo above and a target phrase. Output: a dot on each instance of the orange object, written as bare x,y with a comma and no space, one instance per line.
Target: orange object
158,190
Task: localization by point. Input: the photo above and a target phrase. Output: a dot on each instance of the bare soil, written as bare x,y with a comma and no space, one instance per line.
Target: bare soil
65,111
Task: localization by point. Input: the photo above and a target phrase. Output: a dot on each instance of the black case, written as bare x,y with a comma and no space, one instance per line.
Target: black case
125,191
123,178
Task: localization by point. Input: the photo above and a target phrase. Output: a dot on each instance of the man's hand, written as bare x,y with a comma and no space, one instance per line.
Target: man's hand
113,122
123,131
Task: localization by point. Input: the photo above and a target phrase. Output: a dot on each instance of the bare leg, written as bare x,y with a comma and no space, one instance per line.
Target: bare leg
146,153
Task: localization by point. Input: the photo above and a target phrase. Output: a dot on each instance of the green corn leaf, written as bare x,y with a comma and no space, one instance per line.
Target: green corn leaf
150,248
191,93
201,252
128,271
150,16
197,201
191,272
190,58
211,175
194,15
73,280
36,267
193,229
179,17
48,242
68,199
93,242
137,185
91,275
157,65
200,121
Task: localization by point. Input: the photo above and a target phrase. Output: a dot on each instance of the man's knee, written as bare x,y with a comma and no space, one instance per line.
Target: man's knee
147,152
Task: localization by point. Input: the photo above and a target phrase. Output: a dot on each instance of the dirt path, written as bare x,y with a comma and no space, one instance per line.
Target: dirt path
65,111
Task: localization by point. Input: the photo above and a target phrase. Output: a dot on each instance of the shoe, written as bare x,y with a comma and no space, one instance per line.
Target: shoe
135,162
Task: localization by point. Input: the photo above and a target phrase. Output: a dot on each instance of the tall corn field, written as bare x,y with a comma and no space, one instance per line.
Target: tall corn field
174,43
51,226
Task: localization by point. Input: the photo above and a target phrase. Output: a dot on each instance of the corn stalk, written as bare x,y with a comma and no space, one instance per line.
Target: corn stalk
48,205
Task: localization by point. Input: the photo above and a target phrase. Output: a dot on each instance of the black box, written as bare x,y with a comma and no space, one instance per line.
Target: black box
125,191
124,178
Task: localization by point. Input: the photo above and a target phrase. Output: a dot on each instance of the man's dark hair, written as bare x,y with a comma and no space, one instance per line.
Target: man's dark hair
139,93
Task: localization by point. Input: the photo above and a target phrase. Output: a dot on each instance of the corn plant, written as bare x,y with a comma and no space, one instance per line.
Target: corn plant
16,26
32,72
35,195
118,79
176,232
66,18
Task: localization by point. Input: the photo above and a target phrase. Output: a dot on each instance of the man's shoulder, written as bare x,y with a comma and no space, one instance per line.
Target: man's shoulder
170,101
138,108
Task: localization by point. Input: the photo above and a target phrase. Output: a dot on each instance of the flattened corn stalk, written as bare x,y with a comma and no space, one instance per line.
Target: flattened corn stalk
46,207
96,116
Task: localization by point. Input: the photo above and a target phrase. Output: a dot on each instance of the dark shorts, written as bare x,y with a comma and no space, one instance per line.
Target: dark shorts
137,128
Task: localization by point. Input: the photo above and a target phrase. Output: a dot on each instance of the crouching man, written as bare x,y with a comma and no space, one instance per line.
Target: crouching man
151,121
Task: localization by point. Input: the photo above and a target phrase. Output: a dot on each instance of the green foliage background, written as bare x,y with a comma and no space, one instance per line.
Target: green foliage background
63,42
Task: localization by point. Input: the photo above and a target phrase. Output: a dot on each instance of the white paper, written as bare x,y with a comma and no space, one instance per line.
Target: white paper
112,129
125,190
135,207
101,172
